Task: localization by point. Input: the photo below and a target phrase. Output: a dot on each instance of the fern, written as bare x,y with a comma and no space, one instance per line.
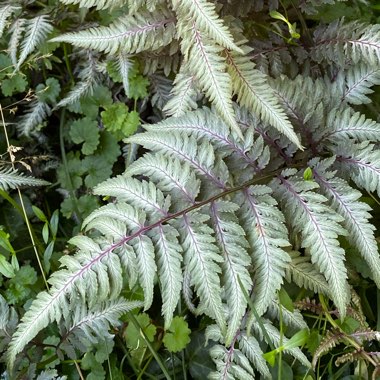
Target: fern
132,34
17,30
345,201
319,226
36,31
202,13
359,81
37,113
356,40
5,12
102,4
253,92
247,187
89,79
208,67
183,94
304,274
11,179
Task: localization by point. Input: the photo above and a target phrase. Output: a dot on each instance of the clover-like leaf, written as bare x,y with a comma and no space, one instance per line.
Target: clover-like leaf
85,131
178,335
48,92
119,120
13,84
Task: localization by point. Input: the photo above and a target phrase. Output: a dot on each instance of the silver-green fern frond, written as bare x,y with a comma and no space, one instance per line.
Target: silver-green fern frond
11,179
131,34
319,227
16,30
99,4
5,12
38,111
304,274
345,200
205,63
36,31
361,163
202,13
253,92
340,40
358,81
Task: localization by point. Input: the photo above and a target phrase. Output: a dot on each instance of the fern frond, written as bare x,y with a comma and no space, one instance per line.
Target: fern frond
99,4
344,199
230,363
124,64
199,156
339,40
205,124
305,113
84,324
183,94
351,357
169,259
303,273
361,162
35,33
253,92
201,257
250,347
203,14
37,113
129,34
141,194
236,361
89,79
276,338
344,124
293,319
267,235
331,339
17,30
160,88
11,179
146,267
169,174
319,227
205,63
133,219
359,80
5,12
66,287
230,237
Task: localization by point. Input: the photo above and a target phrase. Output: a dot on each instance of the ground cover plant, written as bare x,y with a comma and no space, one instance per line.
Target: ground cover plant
189,189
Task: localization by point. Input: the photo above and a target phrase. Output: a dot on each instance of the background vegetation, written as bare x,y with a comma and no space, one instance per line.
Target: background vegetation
73,106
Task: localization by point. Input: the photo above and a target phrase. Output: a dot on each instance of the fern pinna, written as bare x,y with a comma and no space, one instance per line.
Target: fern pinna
232,199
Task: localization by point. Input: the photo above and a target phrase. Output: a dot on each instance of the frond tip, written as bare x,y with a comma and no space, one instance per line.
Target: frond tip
131,34
11,179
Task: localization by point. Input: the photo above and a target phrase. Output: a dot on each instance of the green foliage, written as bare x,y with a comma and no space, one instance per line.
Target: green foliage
133,336
118,120
178,335
85,131
217,168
